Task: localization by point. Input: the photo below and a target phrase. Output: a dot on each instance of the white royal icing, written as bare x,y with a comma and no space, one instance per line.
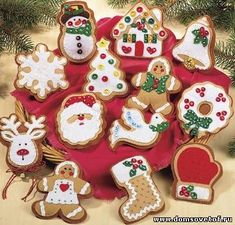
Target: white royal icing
172,84
162,108
42,208
84,188
138,102
74,212
41,76
45,184
138,79
134,119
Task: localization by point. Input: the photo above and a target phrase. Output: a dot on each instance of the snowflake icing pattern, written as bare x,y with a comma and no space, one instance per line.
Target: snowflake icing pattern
41,72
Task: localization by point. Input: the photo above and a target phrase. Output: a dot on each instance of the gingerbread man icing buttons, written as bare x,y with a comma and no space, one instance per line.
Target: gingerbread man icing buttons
41,72
195,172
77,31
155,87
63,192
105,79
140,33
80,121
196,49
131,127
204,109
134,175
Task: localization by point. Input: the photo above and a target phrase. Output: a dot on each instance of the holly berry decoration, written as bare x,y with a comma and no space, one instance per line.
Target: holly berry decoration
188,192
201,36
135,164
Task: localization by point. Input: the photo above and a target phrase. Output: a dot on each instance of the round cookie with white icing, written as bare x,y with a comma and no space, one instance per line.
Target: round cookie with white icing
62,190
105,79
80,121
204,108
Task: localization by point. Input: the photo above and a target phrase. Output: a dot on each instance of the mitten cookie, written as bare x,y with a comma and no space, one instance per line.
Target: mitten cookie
77,31
41,72
134,174
105,79
63,189
196,49
140,32
195,172
155,87
80,121
204,109
132,129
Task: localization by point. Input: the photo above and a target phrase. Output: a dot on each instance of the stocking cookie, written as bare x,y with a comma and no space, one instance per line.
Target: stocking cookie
134,174
140,33
196,49
204,109
155,87
80,121
105,79
64,190
195,172
131,127
41,72
77,31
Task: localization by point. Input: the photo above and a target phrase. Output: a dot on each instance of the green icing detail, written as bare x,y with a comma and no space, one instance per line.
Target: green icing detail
111,61
94,76
160,127
127,163
81,30
132,172
195,122
151,21
143,167
127,19
119,86
199,39
148,85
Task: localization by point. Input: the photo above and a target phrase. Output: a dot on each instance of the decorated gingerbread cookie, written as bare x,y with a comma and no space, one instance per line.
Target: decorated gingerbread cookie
155,87
204,109
80,121
77,31
63,192
105,79
134,175
195,172
41,72
132,129
140,33
196,49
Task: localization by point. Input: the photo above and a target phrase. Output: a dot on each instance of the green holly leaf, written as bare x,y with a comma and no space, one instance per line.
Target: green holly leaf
127,163
132,172
143,167
197,40
195,32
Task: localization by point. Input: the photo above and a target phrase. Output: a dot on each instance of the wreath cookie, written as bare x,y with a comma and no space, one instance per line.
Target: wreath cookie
204,108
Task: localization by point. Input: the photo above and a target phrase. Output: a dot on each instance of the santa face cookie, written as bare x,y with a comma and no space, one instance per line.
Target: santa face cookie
77,31
105,79
22,140
41,72
80,121
155,87
131,127
204,109
195,172
62,190
140,33
196,49
134,175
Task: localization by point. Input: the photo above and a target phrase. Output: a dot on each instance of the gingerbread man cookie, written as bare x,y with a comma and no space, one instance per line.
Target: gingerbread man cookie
134,174
77,31
155,87
63,189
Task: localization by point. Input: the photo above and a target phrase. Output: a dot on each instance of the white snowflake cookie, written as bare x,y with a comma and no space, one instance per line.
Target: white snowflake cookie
41,72
204,109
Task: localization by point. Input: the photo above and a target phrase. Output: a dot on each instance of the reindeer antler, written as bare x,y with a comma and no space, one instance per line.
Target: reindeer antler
11,124
35,124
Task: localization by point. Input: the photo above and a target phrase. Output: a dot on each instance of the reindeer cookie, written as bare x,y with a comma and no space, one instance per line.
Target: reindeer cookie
22,139
155,87
63,189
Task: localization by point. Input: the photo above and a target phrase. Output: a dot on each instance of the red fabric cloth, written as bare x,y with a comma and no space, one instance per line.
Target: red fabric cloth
97,160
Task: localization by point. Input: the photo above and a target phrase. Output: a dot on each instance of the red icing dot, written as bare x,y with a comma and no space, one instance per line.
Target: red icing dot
198,90
84,22
103,56
133,160
91,88
223,99
70,23
140,161
186,100
181,193
139,9
104,78
186,106
217,99
191,103
222,118
116,32
218,114
162,33
202,29
224,113
220,95
135,166
70,174
202,94
203,89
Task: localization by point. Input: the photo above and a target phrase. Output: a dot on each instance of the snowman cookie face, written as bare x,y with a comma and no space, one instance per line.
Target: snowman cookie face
77,37
80,120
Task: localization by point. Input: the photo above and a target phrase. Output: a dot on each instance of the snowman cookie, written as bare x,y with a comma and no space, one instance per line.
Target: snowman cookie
77,31
105,79
63,192
80,120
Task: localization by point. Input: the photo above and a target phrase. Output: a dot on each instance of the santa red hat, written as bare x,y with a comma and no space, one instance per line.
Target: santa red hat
87,99
195,171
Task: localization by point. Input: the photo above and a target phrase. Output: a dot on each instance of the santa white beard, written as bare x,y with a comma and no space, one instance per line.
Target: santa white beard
77,134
